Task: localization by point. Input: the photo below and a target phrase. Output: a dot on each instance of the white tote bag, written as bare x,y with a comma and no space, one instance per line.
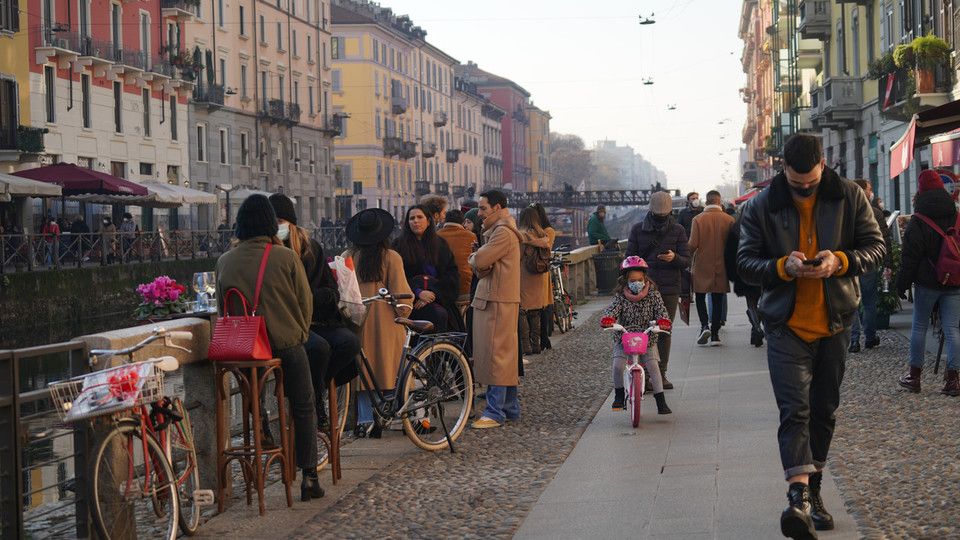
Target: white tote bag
351,302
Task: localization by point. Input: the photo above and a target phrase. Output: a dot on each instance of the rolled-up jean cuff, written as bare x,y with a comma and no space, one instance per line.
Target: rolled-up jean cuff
798,470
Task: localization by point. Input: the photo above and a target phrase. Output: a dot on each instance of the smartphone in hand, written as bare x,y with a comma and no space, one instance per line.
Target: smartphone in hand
813,262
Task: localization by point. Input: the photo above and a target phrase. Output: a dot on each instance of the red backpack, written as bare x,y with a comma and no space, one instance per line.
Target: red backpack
948,261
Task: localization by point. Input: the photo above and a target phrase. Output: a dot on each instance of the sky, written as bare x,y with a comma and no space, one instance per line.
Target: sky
586,62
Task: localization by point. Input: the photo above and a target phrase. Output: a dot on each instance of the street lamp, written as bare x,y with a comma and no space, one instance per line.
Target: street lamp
227,188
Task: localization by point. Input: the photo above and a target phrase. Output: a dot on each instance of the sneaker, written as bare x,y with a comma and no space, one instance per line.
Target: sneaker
854,347
871,343
704,337
618,399
715,341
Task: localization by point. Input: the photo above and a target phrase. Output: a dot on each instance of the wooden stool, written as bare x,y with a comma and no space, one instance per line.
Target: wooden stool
254,458
332,440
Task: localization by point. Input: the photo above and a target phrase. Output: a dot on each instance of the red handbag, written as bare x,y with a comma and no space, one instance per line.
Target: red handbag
242,337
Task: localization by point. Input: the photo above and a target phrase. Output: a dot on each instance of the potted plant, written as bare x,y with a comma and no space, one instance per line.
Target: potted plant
881,66
927,54
888,302
161,298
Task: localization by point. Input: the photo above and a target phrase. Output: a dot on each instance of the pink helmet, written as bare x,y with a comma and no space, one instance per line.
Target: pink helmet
633,263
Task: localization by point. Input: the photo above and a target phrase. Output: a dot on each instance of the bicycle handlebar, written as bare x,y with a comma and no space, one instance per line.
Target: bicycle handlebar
158,333
384,295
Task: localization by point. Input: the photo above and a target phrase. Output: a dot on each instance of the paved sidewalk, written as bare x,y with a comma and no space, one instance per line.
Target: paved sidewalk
710,470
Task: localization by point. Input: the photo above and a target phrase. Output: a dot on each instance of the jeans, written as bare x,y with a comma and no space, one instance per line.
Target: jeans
671,301
651,364
723,310
546,327
503,403
711,320
530,321
806,381
867,318
923,300
344,348
299,390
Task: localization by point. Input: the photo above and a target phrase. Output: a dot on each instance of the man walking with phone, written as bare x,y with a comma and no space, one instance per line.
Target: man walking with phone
805,240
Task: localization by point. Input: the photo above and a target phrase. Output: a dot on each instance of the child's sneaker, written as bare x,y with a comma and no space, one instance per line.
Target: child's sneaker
618,399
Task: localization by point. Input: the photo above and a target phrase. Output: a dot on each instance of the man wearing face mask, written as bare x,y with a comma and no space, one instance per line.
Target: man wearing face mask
805,240
661,241
693,209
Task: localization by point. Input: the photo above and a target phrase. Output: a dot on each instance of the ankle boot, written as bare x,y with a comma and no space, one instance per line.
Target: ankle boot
822,520
911,379
795,521
952,388
662,404
618,398
310,486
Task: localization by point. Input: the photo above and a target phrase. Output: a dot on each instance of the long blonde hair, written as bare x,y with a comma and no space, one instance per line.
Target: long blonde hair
530,222
299,241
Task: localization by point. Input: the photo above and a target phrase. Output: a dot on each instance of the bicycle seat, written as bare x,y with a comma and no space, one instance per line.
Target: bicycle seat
419,327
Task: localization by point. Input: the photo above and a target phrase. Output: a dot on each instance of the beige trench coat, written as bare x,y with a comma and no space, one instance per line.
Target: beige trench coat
380,337
496,303
708,238
534,288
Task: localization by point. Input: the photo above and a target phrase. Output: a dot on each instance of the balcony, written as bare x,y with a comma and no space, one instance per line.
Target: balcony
443,188
429,150
857,2
814,19
30,140
749,130
408,150
421,188
181,9
130,64
453,156
398,104
809,53
160,67
898,104
22,143
209,95
520,117
392,146
842,101
56,43
333,125
439,118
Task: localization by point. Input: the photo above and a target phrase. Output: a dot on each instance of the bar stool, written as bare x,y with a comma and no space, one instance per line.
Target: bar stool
332,439
254,458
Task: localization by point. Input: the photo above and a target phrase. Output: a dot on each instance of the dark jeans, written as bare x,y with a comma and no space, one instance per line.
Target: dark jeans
867,318
806,381
713,320
299,391
663,340
530,331
435,313
332,353
546,327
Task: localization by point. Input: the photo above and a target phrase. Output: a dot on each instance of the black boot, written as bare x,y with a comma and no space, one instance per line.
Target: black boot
795,520
618,399
310,485
662,404
822,520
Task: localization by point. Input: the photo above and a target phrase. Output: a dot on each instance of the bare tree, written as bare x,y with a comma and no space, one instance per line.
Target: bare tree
570,163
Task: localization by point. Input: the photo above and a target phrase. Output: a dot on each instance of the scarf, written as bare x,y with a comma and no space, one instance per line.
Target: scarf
636,297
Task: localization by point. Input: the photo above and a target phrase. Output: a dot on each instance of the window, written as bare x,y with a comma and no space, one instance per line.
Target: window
841,49
9,15
313,159
376,124
261,154
220,13
280,36
224,146
117,107
244,149
278,158
386,177
335,81
243,21
376,84
855,38
263,31
50,82
173,176
383,53
145,34
201,142
376,51
293,42
263,88
116,19
379,174
293,7
146,112
310,97
223,72
173,118
309,46
243,81
146,169
335,48
296,156
296,92
280,95
323,52
85,95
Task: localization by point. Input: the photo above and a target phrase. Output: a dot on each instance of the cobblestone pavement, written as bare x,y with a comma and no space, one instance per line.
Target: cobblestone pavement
895,453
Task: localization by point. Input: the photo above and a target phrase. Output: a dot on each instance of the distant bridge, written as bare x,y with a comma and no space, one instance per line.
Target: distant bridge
585,199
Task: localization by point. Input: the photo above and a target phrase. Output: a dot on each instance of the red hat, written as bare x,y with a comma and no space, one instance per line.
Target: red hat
929,180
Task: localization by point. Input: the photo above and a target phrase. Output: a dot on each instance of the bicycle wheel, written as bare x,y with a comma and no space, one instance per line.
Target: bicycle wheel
343,405
437,393
559,316
636,394
134,492
183,459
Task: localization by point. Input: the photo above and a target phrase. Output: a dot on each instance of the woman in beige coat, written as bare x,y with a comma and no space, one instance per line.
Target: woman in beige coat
377,266
534,287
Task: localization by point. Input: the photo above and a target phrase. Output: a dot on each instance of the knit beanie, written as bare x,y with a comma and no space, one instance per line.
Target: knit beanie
256,218
283,207
929,180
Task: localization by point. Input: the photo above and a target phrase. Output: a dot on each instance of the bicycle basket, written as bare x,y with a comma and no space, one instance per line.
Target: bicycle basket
107,391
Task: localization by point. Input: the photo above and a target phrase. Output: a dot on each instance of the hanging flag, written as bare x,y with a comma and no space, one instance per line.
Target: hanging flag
888,94
901,153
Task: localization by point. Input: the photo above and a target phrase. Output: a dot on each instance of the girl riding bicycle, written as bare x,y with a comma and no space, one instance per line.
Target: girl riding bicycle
636,303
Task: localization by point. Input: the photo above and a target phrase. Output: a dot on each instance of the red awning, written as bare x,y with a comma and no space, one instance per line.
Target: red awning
79,180
946,149
901,152
748,195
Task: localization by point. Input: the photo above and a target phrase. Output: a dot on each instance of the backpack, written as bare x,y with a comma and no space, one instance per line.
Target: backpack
535,260
948,261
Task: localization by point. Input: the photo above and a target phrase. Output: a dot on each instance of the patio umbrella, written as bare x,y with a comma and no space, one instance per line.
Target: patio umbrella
13,186
79,180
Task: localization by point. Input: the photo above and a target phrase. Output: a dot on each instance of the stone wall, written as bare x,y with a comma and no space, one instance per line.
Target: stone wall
43,307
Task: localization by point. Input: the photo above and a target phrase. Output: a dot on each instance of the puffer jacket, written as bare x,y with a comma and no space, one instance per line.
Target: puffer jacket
770,229
921,244
649,238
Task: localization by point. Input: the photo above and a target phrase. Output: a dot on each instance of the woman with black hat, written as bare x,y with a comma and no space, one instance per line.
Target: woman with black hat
331,346
286,306
377,267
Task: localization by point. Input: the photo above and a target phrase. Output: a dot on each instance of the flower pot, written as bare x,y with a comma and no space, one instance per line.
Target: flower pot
925,81
883,321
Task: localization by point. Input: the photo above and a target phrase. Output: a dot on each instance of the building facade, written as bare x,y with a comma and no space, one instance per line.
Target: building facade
468,133
757,93
538,149
491,118
260,115
16,132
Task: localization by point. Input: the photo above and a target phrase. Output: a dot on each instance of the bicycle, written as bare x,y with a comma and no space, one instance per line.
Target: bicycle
634,343
434,383
145,476
563,313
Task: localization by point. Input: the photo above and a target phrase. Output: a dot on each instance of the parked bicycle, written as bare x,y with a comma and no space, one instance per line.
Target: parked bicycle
635,341
145,481
563,313
434,385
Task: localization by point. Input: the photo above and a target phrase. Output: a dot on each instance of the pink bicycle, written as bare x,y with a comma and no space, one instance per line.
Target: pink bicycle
635,342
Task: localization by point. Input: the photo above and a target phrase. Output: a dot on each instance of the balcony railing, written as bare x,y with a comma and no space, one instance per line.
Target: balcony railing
398,104
30,139
440,118
453,156
815,19
179,8
429,150
392,146
161,66
421,188
898,103
443,188
211,94
408,150
130,58
333,125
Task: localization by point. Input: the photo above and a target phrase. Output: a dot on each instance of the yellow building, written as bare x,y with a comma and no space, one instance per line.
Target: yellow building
468,137
398,143
538,148
14,86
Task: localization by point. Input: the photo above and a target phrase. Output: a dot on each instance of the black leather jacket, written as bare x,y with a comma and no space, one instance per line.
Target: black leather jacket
770,229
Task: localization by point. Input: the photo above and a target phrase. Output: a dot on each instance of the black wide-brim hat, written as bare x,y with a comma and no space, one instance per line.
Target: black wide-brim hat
370,226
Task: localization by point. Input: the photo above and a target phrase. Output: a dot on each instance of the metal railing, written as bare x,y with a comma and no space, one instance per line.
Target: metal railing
31,252
211,94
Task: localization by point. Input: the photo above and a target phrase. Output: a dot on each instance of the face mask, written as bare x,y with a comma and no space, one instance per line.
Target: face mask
283,231
658,218
695,203
635,286
106,222
803,192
